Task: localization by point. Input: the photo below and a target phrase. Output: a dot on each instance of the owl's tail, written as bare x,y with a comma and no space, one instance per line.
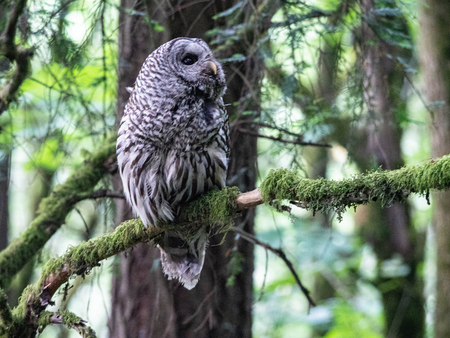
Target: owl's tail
183,260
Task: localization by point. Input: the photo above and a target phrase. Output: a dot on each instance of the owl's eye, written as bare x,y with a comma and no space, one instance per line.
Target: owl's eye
189,59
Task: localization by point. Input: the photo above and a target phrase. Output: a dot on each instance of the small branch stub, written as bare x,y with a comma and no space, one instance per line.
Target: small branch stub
249,199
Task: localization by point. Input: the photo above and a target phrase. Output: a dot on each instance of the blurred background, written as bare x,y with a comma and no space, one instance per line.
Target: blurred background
329,88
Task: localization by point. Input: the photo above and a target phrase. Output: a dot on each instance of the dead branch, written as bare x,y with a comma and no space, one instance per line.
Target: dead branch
248,200
266,125
280,253
282,140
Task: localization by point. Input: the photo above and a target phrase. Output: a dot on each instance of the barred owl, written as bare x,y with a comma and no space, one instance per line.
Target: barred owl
173,145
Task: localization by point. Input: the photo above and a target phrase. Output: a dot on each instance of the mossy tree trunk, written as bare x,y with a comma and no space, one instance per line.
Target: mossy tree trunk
435,64
389,231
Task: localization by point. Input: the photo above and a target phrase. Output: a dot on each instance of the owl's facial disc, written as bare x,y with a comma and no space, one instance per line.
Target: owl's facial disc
194,62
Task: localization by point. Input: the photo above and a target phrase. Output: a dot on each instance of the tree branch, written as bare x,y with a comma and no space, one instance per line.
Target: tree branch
282,140
53,211
216,207
265,125
69,319
329,195
220,207
280,253
21,56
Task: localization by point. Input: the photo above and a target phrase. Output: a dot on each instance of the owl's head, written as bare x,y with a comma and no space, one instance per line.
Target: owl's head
193,62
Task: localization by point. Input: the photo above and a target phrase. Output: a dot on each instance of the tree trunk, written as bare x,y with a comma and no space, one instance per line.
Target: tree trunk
435,64
389,230
318,157
136,307
5,163
144,303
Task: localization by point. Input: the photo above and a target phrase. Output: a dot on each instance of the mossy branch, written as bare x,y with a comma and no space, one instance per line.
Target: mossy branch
217,207
385,186
68,319
220,207
53,211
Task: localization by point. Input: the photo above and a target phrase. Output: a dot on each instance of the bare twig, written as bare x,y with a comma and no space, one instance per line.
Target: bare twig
280,253
266,125
280,139
249,199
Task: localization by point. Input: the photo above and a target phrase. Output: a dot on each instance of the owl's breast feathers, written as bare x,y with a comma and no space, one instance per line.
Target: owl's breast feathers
177,156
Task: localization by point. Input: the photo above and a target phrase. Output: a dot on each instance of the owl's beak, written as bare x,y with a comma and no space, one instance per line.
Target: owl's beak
211,67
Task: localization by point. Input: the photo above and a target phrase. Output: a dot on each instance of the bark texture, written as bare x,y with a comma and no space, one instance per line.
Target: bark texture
435,63
136,304
5,164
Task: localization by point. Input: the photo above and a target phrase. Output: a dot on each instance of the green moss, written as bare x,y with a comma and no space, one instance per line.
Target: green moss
217,208
5,312
80,259
53,210
67,318
30,295
385,186
45,319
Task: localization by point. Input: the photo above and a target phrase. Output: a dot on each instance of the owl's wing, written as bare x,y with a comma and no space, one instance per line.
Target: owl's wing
145,190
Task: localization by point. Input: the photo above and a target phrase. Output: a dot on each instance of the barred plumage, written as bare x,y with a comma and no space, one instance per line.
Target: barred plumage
173,144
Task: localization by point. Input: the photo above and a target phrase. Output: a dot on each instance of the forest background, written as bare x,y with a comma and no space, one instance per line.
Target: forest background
329,89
